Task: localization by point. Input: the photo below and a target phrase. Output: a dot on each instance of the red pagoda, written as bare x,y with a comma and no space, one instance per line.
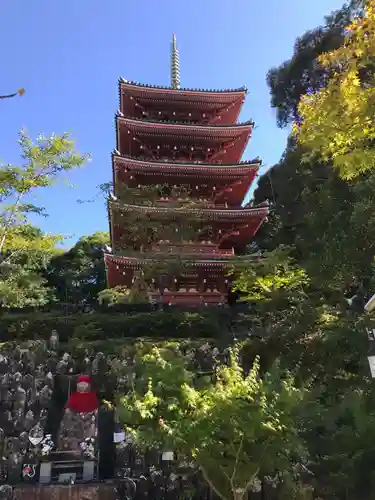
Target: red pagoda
179,186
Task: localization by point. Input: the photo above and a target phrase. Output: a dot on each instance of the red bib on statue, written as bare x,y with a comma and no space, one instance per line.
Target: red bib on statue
83,400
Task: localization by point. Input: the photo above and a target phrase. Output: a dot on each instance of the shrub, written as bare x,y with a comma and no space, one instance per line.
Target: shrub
101,326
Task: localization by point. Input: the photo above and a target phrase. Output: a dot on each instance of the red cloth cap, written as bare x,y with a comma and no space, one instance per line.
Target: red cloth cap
83,378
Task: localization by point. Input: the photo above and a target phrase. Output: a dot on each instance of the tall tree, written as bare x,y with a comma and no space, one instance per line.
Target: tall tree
237,430
22,282
78,275
337,120
326,219
302,73
329,222
44,161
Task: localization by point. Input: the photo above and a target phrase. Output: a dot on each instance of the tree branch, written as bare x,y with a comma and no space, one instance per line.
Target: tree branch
8,222
250,482
236,462
210,483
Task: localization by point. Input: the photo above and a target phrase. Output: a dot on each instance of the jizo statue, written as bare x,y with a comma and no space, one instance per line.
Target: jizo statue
84,400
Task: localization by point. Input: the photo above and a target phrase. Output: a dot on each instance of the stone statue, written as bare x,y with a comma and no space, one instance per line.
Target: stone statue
6,492
54,340
80,419
29,420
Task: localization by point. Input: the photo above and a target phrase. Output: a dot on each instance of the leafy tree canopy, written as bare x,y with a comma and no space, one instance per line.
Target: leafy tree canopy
78,275
302,73
237,429
24,249
336,122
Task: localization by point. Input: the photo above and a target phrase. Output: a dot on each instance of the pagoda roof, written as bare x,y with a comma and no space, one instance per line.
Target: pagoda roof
242,168
136,263
226,104
169,90
207,213
232,181
235,193
231,139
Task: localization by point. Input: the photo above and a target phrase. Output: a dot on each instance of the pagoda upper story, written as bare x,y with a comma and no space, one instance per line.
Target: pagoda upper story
212,107
179,185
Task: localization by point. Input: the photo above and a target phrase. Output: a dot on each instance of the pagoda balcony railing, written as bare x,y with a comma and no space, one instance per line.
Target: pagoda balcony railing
172,202
193,297
197,117
193,203
170,250
206,250
166,158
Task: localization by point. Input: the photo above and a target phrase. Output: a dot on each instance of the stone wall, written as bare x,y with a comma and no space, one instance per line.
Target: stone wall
56,492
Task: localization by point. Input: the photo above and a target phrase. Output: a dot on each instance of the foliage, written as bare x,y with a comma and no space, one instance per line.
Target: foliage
324,219
249,422
157,194
326,346
237,429
345,427
336,121
21,282
115,323
284,309
302,73
24,249
329,223
137,294
312,210
78,275
145,229
270,275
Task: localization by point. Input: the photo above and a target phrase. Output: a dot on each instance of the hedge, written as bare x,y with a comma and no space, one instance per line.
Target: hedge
101,326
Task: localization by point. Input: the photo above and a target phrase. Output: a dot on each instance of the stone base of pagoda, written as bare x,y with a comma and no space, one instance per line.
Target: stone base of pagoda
190,298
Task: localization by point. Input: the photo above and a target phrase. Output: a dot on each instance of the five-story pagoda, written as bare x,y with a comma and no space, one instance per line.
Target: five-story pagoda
176,211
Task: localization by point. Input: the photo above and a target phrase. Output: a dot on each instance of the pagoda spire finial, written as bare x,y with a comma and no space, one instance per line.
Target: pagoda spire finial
175,65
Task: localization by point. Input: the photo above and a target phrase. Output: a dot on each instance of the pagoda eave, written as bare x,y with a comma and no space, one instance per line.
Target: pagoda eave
234,194
186,128
200,93
237,179
219,143
206,106
241,214
241,237
138,263
121,163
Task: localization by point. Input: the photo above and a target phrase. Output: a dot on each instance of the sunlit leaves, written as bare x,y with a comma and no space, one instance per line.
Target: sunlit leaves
136,294
239,426
44,160
337,123
24,248
274,272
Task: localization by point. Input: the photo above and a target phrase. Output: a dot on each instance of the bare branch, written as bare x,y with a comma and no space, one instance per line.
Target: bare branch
210,483
236,462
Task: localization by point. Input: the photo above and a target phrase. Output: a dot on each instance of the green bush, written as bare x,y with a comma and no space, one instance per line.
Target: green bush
101,326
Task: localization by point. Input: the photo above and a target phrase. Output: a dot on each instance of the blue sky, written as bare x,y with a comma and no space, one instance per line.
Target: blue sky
69,54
